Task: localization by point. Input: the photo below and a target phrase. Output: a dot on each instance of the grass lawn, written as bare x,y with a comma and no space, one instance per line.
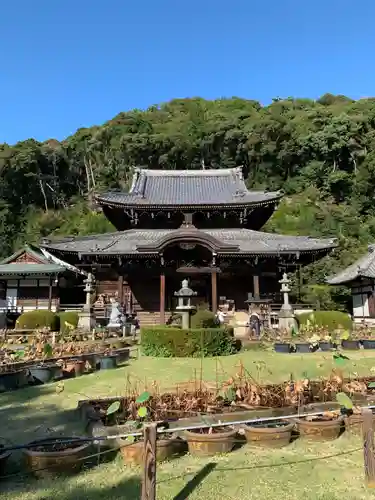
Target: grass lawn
243,474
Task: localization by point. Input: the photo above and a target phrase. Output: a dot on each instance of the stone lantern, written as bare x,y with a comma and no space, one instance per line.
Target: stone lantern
287,320
87,319
184,307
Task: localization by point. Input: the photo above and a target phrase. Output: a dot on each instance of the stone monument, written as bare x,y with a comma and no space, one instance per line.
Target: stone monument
287,319
86,317
184,306
115,319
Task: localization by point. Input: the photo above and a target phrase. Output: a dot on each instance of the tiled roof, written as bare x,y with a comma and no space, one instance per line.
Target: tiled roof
248,241
189,187
25,268
361,268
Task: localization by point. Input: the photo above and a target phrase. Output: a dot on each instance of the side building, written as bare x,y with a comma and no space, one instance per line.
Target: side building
360,278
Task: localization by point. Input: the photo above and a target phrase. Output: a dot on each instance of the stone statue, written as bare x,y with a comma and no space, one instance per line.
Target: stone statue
115,316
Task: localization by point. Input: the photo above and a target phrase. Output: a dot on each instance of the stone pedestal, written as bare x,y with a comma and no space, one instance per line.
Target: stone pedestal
185,320
184,304
86,319
287,320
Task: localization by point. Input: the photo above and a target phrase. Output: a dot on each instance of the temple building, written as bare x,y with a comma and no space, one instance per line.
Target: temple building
204,225
360,278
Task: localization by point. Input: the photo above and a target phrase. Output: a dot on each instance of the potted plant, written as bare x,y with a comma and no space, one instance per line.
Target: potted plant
132,447
273,434
326,426
353,415
11,378
327,343
46,457
365,334
282,344
348,342
74,367
45,372
210,440
107,360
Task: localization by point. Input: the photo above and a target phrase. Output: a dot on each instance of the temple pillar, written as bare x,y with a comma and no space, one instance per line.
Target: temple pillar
120,290
214,290
50,285
162,297
256,286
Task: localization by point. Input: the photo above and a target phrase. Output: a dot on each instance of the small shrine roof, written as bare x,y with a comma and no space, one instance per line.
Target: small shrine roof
235,241
361,268
206,187
37,262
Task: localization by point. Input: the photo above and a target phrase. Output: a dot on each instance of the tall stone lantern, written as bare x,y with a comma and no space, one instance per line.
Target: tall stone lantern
86,317
287,319
184,307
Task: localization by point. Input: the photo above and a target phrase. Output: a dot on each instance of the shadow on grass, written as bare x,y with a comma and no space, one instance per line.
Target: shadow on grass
195,481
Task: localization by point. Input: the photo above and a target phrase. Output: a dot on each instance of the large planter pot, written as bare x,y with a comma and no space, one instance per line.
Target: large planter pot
368,344
119,344
165,449
43,374
354,423
206,445
75,367
319,430
273,434
281,347
123,355
10,381
326,346
107,362
350,345
44,459
303,347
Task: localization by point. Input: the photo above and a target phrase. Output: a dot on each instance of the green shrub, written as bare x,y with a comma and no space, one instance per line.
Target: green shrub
204,318
68,321
40,318
329,319
160,341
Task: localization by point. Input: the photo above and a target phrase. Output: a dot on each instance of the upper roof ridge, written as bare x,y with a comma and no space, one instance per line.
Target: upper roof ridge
207,172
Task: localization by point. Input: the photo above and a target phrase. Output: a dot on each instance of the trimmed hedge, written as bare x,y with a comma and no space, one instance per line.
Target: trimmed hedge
330,319
204,319
166,342
39,318
68,321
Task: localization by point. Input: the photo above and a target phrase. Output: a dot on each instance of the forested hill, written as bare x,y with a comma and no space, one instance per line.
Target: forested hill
321,153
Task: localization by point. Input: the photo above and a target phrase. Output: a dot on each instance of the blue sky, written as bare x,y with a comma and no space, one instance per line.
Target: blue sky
68,64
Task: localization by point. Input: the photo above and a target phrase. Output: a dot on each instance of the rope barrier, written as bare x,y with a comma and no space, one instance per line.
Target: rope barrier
167,430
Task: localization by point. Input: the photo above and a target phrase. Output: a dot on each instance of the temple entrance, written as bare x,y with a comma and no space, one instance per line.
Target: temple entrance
200,283
187,260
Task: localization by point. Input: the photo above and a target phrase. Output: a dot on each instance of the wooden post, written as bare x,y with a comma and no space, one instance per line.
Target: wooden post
256,286
214,290
162,297
50,294
37,294
368,446
149,462
121,290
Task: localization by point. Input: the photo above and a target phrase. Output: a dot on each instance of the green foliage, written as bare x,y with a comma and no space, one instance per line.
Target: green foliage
203,318
32,320
176,342
332,320
68,321
344,400
321,153
113,408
